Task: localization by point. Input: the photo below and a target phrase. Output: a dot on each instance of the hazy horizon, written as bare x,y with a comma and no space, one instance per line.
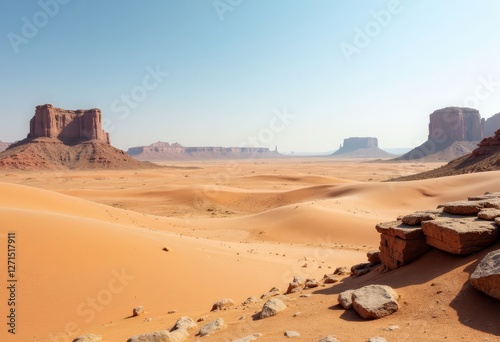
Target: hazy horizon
300,75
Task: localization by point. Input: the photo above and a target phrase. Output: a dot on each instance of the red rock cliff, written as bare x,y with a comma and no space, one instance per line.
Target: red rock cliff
63,124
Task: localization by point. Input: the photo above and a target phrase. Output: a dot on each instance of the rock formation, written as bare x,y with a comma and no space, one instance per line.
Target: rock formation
486,276
486,157
67,125
453,133
164,151
456,228
357,147
64,139
491,125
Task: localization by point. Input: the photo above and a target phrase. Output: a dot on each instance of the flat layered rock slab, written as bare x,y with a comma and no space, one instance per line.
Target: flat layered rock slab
418,217
401,230
463,236
463,207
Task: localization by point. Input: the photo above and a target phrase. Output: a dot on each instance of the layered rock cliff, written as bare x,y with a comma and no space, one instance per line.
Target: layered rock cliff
164,151
66,125
453,132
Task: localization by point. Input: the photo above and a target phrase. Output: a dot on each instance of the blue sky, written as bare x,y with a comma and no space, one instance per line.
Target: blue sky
302,75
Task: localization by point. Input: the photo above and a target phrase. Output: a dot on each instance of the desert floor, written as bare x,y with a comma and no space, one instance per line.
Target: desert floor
89,247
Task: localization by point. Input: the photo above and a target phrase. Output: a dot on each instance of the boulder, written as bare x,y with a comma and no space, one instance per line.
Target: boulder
184,323
377,339
329,338
211,327
272,292
486,276
363,268
250,300
329,279
311,283
460,236
161,336
291,333
463,207
375,301
342,271
489,214
88,338
223,304
345,299
272,307
137,311
249,338
295,285
416,218
373,257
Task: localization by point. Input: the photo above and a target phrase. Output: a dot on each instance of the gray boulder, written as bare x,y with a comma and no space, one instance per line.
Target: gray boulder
486,276
375,301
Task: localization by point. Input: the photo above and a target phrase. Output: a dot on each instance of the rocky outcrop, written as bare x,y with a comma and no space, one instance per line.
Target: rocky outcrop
358,147
400,244
223,304
460,227
486,276
67,125
491,125
453,133
164,151
460,236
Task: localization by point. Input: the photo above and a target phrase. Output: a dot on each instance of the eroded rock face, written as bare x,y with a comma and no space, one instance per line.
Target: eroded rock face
52,122
400,244
460,236
486,276
454,123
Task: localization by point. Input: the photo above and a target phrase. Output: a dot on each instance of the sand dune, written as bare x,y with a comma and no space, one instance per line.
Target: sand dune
84,235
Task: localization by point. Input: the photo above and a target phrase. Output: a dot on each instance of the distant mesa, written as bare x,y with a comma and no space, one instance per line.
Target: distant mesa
163,151
357,147
66,139
491,125
453,133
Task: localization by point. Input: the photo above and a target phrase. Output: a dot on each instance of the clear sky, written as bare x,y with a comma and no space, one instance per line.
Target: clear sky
299,74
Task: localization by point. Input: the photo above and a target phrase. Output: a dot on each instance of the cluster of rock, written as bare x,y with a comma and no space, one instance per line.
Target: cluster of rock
453,133
361,147
165,151
460,228
67,125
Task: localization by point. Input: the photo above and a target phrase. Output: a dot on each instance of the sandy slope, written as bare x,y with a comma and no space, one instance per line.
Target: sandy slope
229,238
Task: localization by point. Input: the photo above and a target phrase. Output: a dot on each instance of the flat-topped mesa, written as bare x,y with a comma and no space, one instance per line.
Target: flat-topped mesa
455,124
352,144
67,125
